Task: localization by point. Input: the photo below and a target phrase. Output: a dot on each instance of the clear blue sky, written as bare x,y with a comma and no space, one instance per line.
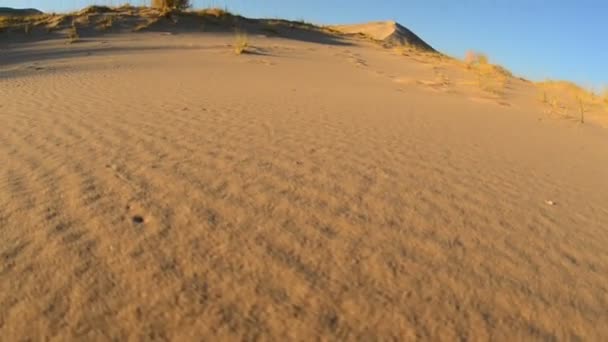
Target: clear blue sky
538,39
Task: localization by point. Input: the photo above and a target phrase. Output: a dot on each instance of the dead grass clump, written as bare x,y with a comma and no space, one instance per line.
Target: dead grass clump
126,7
22,23
544,98
55,22
105,23
491,78
570,89
215,12
556,107
95,10
489,83
581,108
568,99
473,58
145,25
172,4
82,20
73,35
4,22
241,43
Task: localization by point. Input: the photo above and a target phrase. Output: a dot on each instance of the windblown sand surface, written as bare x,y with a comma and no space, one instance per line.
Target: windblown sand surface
161,187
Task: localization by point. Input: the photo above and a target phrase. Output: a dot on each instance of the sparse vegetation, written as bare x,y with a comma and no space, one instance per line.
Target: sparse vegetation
491,81
571,100
215,12
145,25
105,23
581,108
96,9
25,23
241,43
570,88
73,35
555,107
172,4
473,58
490,77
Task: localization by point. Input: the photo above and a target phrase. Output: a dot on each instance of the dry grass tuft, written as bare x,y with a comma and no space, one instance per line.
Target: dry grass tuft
571,100
491,78
105,23
95,10
473,58
172,4
241,43
145,25
215,12
570,88
581,108
572,93
544,98
25,23
73,35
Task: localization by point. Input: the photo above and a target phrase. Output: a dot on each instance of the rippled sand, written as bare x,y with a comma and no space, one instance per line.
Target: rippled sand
160,187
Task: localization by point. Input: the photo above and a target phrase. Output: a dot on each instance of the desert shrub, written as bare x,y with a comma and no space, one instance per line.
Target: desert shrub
172,4
473,58
581,108
490,77
73,35
482,59
241,43
96,9
145,25
215,12
105,23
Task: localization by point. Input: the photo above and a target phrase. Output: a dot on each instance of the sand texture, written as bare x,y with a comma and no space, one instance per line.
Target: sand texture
160,187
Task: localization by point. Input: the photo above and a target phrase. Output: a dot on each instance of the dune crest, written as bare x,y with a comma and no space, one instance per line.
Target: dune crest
389,32
7,11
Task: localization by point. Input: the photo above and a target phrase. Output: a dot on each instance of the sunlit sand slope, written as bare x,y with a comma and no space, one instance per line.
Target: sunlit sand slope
158,186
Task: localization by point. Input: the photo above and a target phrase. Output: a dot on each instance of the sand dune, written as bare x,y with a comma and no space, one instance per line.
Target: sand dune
6,11
158,186
389,32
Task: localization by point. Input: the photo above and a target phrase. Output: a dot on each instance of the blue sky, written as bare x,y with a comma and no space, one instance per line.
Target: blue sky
537,39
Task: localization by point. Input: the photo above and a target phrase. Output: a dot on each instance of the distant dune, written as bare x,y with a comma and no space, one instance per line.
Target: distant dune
389,32
7,11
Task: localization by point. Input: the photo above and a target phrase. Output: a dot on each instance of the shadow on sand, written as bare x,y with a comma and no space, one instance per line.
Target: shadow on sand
15,43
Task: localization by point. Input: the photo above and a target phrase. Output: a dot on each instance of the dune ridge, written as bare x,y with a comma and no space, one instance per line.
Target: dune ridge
388,32
7,11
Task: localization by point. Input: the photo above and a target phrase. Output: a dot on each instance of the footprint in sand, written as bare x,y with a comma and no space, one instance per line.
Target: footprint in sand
138,219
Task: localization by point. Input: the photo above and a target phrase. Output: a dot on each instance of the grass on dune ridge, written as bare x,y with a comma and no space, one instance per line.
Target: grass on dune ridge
491,77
